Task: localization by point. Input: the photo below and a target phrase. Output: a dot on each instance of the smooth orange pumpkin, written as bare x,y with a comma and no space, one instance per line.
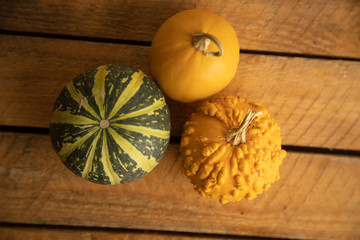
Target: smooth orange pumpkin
194,54
231,149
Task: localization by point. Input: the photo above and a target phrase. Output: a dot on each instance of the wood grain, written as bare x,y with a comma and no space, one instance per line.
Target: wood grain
312,27
62,233
317,196
315,101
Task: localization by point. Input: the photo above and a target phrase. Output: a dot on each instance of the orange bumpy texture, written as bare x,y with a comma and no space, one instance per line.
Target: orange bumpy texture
219,169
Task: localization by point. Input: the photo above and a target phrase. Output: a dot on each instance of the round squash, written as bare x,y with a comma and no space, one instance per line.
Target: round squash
231,149
194,54
110,125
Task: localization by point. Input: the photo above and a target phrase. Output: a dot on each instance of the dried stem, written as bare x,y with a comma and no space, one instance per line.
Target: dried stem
237,136
201,42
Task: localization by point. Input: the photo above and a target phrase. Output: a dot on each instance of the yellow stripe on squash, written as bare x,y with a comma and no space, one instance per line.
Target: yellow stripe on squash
114,178
90,157
99,89
144,162
68,148
69,118
149,110
144,130
131,89
79,98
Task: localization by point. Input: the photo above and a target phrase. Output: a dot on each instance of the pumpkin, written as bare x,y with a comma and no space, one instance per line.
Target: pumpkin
193,55
110,125
231,149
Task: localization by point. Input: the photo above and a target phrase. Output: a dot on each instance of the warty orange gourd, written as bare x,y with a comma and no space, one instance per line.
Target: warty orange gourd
231,149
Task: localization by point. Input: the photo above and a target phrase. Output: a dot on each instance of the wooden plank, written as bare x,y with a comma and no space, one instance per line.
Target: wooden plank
314,101
311,27
61,233
317,196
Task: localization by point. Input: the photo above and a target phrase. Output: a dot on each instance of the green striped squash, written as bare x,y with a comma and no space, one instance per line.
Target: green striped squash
110,125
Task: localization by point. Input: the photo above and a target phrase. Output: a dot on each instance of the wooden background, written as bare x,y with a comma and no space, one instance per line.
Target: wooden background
300,59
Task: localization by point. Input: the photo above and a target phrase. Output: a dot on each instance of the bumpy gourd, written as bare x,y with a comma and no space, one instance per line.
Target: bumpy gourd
194,54
231,149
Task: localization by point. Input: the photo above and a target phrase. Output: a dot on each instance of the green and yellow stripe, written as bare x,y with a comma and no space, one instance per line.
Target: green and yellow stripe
131,89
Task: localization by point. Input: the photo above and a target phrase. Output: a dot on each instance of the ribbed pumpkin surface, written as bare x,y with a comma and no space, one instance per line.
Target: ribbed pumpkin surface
110,125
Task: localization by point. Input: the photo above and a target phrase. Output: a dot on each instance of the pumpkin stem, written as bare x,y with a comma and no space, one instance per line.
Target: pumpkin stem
201,42
237,136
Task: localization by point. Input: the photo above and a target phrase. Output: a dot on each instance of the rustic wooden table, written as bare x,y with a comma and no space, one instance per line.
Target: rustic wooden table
301,59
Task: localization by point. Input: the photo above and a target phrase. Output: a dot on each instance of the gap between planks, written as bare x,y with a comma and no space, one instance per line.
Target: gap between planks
176,140
320,27
148,44
113,233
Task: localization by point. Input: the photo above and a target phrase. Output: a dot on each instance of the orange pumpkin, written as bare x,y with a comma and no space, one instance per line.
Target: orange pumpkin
194,54
231,149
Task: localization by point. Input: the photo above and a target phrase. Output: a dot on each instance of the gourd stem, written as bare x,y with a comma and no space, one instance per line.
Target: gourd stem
201,42
104,123
237,136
